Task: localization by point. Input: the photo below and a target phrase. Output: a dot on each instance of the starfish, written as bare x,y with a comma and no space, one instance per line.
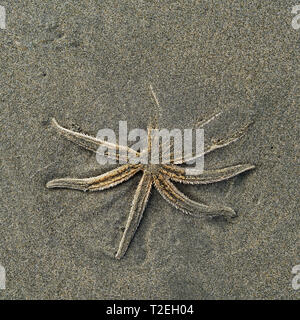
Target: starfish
161,176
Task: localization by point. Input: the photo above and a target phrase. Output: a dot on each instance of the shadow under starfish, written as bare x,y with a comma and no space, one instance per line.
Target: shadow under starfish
158,175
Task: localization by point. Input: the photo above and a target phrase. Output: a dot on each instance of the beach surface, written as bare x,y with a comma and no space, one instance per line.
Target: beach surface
89,66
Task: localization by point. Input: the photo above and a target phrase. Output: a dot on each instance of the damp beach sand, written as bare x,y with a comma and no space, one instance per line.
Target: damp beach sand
90,66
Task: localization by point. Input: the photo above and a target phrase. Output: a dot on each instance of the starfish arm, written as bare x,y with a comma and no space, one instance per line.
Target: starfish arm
215,145
180,201
169,145
136,212
204,122
177,174
104,181
157,109
91,143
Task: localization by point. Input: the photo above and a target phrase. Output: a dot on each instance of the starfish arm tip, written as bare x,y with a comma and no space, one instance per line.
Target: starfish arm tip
49,184
120,253
228,213
54,122
66,184
248,167
118,256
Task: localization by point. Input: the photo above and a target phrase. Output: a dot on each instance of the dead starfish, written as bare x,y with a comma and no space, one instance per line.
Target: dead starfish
160,175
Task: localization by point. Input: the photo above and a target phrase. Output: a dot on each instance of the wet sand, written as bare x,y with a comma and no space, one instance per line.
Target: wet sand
90,66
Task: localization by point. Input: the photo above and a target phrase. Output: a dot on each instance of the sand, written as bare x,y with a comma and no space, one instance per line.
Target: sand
90,65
